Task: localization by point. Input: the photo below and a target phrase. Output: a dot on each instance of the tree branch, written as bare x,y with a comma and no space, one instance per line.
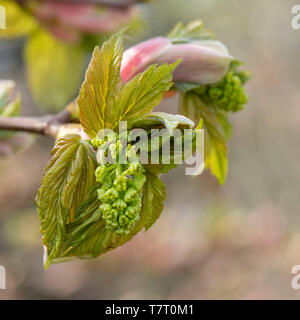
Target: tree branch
48,125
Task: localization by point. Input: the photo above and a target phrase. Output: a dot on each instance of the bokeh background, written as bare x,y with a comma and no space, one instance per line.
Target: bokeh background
237,241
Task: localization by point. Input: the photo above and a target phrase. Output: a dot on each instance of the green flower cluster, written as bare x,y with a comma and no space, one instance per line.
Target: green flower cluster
228,94
120,191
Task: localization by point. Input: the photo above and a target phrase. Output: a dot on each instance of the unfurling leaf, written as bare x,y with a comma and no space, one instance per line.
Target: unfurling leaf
104,100
169,121
54,70
192,31
143,93
153,200
162,120
216,131
89,236
101,87
156,120
67,180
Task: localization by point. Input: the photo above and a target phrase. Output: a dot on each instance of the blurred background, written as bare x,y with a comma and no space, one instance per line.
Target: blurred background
237,241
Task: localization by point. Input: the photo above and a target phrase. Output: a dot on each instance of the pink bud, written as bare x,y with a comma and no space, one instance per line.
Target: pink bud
67,21
203,62
137,58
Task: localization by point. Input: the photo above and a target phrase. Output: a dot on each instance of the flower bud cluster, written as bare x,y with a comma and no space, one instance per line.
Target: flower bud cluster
228,94
120,191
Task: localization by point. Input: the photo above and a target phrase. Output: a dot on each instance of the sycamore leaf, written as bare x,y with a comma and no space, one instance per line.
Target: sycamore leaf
143,93
153,200
160,168
67,179
192,31
186,86
87,235
54,70
104,100
217,159
223,120
165,120
101,87
216,130
160,120
18,22
171,121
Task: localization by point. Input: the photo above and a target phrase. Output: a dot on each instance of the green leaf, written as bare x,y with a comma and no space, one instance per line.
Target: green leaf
6,89
193,30
160,168
186,86
163,119
217,159
223,120
12,109
143,93
101,87
104,100
10,104
54,70
153,200
67,179
87,235
18,22
216,131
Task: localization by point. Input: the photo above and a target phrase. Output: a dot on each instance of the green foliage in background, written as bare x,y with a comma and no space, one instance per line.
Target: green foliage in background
54,67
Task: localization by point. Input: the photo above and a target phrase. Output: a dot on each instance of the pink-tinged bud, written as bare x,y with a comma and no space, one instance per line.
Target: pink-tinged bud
203,62
137,58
